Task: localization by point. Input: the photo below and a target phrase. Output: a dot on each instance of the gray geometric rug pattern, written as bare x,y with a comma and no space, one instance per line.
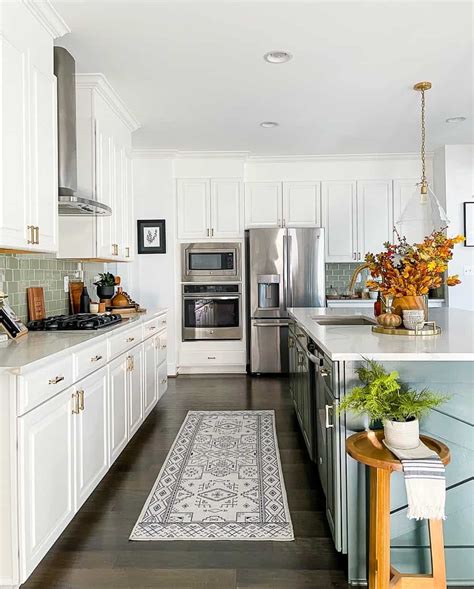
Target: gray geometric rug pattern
221,480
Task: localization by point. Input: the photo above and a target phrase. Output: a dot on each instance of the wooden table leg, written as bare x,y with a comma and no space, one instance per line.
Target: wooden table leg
379,529
438,564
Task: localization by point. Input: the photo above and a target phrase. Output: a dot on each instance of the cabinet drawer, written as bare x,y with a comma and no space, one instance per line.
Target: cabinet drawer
40,384
88,360
152,327
122,342
203,358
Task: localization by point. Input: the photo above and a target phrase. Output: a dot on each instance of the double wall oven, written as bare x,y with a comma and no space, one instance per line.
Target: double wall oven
211,291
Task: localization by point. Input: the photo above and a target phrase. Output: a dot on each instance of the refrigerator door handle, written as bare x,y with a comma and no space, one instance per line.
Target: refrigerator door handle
288,299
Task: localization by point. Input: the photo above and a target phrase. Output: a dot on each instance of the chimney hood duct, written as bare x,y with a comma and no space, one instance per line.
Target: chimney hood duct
70,203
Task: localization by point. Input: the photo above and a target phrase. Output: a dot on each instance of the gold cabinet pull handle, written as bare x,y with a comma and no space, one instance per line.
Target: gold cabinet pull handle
80,394
75,401
152,327
56,379
324,372
163,346
31,230
37,235
130,339
96,358
127,249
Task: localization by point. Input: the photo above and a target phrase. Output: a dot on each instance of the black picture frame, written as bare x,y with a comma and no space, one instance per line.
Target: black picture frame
469,223
151,236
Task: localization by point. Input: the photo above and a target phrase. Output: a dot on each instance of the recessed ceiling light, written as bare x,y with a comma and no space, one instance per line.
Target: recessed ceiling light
268,124
455,119
277,56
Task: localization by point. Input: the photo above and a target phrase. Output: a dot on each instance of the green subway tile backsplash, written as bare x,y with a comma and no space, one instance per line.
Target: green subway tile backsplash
339,275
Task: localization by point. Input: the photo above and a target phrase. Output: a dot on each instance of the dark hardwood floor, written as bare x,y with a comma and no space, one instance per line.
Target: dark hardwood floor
94,550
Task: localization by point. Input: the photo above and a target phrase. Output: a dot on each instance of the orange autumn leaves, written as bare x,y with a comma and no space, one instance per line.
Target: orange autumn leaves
405,270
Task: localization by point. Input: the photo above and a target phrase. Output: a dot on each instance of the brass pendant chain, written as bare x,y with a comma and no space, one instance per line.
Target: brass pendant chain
424,183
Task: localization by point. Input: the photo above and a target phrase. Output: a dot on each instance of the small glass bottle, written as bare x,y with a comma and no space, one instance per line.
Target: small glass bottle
378,305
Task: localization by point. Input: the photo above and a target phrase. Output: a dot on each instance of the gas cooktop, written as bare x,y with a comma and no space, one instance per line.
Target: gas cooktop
79,322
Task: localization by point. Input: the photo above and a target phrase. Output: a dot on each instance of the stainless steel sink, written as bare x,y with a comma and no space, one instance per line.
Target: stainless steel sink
345,320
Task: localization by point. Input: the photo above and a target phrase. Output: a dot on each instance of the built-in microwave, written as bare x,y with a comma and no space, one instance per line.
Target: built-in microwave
210,262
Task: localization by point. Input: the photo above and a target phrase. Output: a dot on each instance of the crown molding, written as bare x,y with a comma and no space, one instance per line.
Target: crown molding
157,153
48,16
102,86
336,157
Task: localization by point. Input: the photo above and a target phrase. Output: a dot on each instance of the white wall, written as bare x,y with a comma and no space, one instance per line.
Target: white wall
454,172
151,278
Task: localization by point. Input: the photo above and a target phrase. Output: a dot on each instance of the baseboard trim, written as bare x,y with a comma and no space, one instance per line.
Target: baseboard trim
223,369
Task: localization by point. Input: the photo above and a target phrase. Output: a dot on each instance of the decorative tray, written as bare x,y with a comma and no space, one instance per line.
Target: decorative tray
428,328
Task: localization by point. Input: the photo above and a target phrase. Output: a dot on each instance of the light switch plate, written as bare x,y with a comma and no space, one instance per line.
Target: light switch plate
66,284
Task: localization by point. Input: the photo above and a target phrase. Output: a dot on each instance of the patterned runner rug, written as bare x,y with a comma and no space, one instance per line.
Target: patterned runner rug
221,480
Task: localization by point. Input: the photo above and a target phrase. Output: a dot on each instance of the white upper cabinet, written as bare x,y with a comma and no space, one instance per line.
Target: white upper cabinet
374,215
339,220
104,173
226,209
403,190
28,157
193,209
301,204
263,204
209,209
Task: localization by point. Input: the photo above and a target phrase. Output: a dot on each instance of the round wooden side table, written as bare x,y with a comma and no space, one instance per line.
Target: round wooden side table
367,448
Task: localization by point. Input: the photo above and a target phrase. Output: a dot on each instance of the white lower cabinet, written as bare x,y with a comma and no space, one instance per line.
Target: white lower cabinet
90,434
135,389
150,392
46,477
118,406
67,440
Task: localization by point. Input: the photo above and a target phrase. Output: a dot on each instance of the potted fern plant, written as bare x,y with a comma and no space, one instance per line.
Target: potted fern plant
384,398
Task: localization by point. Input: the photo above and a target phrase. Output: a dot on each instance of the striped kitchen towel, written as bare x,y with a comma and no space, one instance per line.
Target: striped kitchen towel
425,481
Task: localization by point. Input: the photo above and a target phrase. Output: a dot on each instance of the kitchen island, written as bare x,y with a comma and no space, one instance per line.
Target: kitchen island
320,377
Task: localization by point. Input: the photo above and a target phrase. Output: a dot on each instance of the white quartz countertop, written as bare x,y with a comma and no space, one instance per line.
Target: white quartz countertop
35,346
351,342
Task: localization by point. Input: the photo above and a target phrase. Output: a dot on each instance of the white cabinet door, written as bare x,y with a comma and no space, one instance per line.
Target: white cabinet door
301,204
105,177
118,212
90,434
339,220
150,392
162,380
129,218
226,209
162,347
403,190
118,406
45,448
374,216
14,168
193,209
263,204
44,157
135,389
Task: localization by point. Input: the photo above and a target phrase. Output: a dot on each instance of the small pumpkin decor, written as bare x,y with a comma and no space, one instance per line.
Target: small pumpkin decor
389,319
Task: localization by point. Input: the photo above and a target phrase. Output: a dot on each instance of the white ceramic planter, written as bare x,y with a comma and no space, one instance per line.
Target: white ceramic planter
402,434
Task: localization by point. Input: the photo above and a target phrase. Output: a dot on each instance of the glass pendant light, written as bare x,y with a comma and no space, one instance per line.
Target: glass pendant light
423,213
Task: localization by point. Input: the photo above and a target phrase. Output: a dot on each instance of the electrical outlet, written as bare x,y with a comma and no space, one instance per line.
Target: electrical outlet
66,284
468,270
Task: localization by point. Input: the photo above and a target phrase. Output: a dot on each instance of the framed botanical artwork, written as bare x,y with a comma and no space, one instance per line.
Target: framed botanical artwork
469,223
151,237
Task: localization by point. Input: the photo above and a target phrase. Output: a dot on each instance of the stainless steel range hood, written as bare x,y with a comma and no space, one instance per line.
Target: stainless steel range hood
70,203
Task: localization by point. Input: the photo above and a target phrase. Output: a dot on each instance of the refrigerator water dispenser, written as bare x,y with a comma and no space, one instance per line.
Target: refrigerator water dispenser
268,291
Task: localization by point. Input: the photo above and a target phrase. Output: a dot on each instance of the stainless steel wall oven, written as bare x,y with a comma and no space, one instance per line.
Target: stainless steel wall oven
210,262
212,311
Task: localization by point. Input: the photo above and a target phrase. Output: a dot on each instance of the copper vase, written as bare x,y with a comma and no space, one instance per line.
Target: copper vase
409,302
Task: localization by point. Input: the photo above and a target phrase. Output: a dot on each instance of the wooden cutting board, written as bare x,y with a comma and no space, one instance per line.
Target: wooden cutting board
36,306
75,291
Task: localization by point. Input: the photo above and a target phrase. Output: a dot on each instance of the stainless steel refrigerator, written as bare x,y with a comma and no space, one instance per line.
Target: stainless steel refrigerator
285,268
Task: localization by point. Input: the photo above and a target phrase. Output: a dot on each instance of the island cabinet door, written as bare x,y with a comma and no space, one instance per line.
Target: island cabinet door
150,391
118,406
90,433
333,465
46,497
135,389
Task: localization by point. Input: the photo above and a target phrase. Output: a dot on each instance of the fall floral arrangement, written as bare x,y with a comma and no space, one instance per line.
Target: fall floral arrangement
411,270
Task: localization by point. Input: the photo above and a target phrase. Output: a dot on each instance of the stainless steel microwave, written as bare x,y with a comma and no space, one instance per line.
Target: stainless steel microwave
210,262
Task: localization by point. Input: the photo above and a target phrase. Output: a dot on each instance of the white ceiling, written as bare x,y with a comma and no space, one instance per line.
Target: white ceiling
193,72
